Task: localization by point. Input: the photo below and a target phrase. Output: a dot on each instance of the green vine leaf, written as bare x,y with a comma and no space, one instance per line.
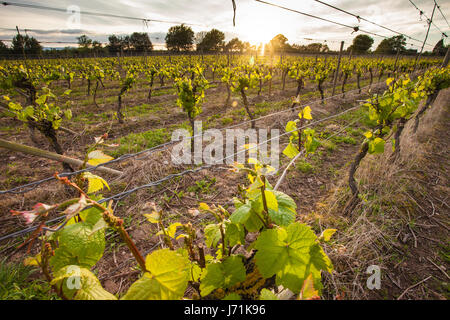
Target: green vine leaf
212,235
234,234
271,200
286,212
78,245
308,292
267,295
290,151
95,183
166,279
232,296
170,230
241,214
98,157
327,234
80,284
291,254
376,146
222,275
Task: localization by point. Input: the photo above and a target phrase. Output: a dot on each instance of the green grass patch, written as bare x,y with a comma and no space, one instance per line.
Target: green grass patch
263,108
162,92
15,284
239,112
304,166
354,132
205,186
227,121
143,109
135,142
343,139
329,145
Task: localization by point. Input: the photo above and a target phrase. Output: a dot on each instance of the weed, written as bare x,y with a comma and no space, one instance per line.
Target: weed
135,142
15,284
304,166
227,121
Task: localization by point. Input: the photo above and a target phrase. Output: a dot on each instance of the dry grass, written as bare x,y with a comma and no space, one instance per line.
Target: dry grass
402,217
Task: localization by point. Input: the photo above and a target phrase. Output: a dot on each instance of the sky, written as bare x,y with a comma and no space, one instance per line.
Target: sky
255,22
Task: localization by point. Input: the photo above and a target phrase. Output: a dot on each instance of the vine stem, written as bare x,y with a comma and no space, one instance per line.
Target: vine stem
117,224
46,253
222,233
300,131
263,194
134,250
262,220
351,176
201,256
166,236
244,99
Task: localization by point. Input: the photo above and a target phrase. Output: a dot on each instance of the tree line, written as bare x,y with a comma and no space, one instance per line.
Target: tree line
182,38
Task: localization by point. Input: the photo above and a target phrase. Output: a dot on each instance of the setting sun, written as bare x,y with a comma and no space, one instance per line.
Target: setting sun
259,26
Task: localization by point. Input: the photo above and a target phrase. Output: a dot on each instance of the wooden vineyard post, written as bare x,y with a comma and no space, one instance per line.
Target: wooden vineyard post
350,56
396,61
52,156
446,58
337,67
426,37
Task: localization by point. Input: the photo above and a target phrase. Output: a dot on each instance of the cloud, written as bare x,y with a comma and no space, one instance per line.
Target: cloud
254,21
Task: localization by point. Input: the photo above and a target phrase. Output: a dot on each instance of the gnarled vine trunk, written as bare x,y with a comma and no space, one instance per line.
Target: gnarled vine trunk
244,98
351,175
150,89
119,108
227,102
358,79
343,84
322,96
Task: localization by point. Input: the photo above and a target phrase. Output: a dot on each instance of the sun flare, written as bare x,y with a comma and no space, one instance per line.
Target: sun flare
260,30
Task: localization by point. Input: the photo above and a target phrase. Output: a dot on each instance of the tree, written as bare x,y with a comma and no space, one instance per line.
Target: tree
246,46
279,43
212,41
317,47
312,48
180,38
3,49
97,46
139,41
32,46
440,49
84,41
199,36
114,44
29,44
235,45
392,45
361,44
125,43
